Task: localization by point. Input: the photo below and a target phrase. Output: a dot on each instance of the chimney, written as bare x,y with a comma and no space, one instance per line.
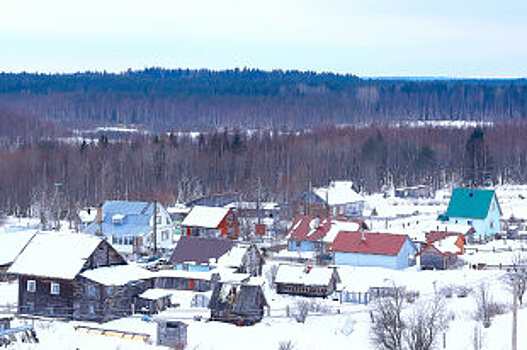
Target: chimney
99,214
363,237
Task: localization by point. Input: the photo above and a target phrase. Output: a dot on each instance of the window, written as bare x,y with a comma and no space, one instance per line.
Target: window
91,308
55,288
109,290
158,220
297,244
164,235
469,222
31,286
30,307
492,224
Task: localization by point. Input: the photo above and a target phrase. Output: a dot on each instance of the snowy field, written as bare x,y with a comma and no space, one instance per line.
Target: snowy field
339,326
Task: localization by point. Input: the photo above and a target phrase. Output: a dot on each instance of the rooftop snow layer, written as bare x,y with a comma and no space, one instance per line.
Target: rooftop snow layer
12,243
55,255
299,274
208,217
338,192
117,275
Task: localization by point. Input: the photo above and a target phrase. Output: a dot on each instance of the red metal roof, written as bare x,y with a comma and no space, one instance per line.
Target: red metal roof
305,228
374,243
434,236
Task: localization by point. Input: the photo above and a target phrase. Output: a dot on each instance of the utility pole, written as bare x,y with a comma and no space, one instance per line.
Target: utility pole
515,314
154,238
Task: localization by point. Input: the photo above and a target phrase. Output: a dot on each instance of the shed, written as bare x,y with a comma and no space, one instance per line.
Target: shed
153,301
239,303
171,333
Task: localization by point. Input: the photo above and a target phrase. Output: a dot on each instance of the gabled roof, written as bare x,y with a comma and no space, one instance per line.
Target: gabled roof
470,203
134,219
338,192
374,243
207,217
239,298
12,243
311,228
199,250
434,236
234,257
55,255
304,275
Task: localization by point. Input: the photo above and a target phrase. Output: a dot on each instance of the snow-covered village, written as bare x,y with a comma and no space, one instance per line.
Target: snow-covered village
435,269
263,175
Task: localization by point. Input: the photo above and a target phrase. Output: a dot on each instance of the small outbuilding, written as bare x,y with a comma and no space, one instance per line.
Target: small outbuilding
171,333
239,303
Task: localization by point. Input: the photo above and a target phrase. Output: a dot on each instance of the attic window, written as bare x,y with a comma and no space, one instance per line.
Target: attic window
117,219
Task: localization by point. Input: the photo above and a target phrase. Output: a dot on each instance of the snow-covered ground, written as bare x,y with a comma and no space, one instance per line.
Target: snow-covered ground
340,325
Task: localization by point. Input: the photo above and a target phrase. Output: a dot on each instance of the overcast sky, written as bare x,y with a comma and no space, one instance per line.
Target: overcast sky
457,38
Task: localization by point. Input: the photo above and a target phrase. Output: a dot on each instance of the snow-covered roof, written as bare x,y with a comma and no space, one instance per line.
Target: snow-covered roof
88,215
448,245
155,293
440,226
12,243
55,255
253,205
338,192
178,209
208,217
198,275
305,275
234,257
310,228
117,275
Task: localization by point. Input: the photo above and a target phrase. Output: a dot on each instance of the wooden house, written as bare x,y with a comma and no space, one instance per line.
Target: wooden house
205,254
204,221
303,280
130,226
474,207
339,199
386,250
198,281
239,303
76,276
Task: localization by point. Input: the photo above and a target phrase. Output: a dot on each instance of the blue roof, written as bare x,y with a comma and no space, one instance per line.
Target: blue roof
470,203
135,222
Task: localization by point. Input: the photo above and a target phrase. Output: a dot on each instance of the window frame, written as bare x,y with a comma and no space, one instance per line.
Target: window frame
31,283
56,290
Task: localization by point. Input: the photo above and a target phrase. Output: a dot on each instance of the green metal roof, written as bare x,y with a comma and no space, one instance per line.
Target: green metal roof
470,203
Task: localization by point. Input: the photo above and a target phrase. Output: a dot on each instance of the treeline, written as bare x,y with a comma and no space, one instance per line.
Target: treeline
53,175
164,100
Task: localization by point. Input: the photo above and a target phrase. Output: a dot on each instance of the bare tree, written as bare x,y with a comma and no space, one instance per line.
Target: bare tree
427,321
483,300
387,322
518,275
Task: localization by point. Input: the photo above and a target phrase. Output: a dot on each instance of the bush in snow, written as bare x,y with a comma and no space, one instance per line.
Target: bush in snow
486,307
428,319
387,322
417,330
270,274
286,345
462,291
299,311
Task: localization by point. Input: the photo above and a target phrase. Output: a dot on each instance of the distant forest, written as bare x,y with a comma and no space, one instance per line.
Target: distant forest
165,100
272,133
